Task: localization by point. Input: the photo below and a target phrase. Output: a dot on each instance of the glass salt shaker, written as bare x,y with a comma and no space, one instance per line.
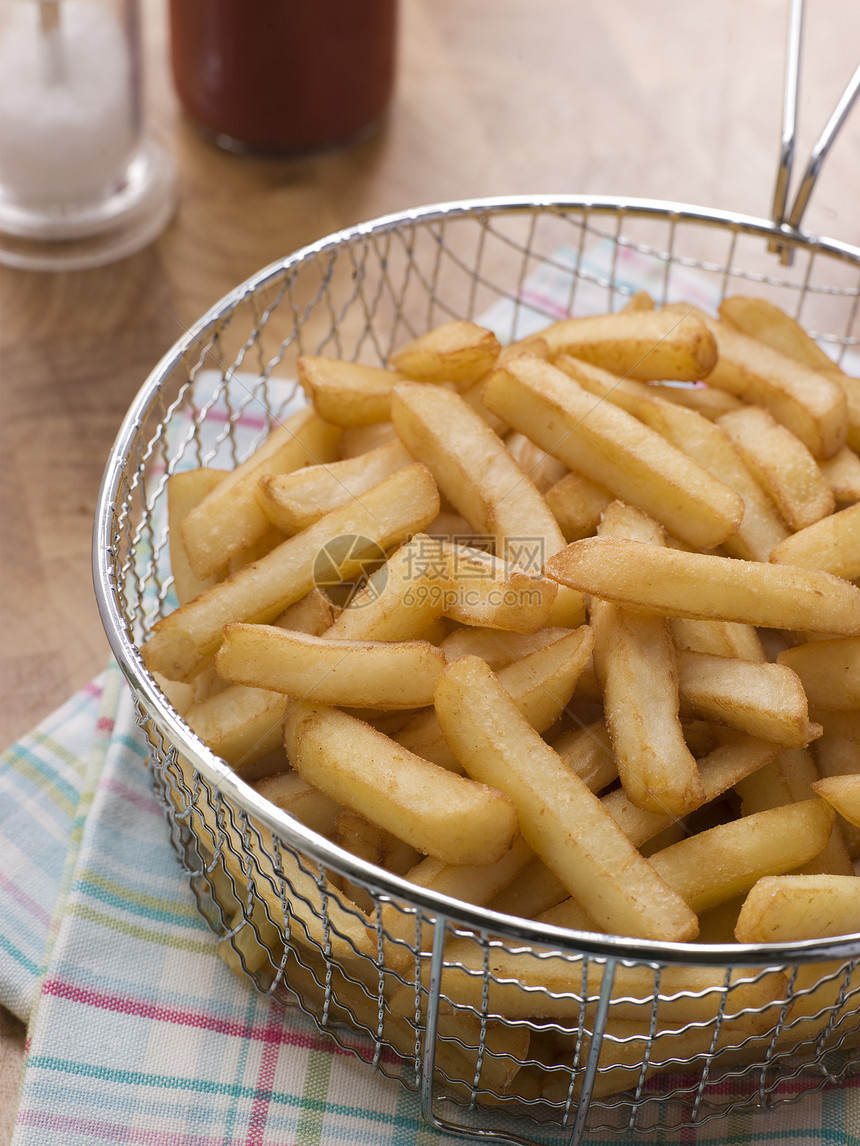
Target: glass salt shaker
82,183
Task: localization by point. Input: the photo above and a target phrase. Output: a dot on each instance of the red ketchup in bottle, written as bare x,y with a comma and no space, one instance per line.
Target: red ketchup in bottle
283,75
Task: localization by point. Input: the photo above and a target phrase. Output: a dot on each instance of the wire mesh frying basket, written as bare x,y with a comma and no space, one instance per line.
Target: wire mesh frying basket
595,1034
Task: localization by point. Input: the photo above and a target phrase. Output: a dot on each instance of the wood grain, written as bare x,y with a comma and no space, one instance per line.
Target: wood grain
494,97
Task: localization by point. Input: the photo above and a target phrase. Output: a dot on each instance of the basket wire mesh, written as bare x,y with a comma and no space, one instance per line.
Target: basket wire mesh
527,1032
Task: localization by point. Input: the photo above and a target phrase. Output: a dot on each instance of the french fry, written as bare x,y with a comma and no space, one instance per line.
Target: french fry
636,664
472,883
705,400
185,491
347,393
587,751
495,647
480,478
357,440
546,985
837,753
763,699
370,674
543,469
791,908
487,591
240,724
724,861
843,793
456,352
782,464
807,401
533,890
709,444
723,768
393,510
289,792
722,638
842,475
229,519
577,504
768,323
646,345
829,671
540,683
296,500
441,814
614,449
560,819
678,583
832,544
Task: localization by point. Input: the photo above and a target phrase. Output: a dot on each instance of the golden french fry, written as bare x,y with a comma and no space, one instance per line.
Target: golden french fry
679,583
791,908
230,519
481,480
185,491
560,819
613,449
533,890
543,469
369,674
541,985
783,465
635,661
842,474
587,751
837,753
292,794
722,768
473,883
647,345
832,544
789,778
441,814
722,638
829,671
760,528
347,393
807,401
639,300
357,440
487,591
495,647
577,504
456,352
768,323
763,699
722,862
705,400
540,683
240,724
843,793
389,513
296,500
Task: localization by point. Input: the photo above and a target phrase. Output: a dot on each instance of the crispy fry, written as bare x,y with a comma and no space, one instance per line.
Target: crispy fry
790,908
441,814
456,352
560,819
347,393
829,671
614,449
832,544
229,519
646,345
390,512
481,479
673,582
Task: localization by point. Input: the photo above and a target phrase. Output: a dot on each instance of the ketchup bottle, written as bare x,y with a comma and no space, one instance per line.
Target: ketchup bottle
283,75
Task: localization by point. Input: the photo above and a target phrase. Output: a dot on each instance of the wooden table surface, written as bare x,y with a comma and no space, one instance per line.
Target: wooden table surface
494,97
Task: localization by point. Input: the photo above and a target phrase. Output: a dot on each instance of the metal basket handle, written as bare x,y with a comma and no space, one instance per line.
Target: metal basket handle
781,216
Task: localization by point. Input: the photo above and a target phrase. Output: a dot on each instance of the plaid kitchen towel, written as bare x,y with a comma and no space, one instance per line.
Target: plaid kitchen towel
137,1032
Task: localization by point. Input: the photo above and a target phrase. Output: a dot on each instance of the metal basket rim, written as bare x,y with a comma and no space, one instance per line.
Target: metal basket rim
228,783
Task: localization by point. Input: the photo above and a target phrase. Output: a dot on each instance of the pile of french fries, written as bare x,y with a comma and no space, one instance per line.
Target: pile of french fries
569,629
